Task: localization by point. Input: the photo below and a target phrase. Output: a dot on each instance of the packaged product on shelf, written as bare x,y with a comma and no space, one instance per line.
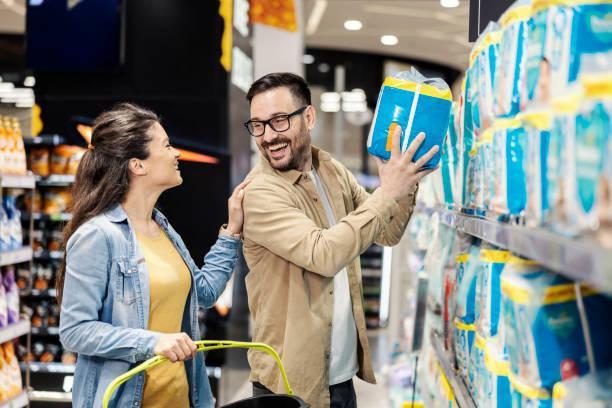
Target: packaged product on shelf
537,129
39,161
5,379
3,146
592,390
488,289
526,396
581,41
557,172
416,104
3,307
460,252
56,201
33,201
12,294
445,390
468,266
66,159
457,127
449,159
544,329
466,143
14,221
495,385
535,81
508,151
436,259
483,59
586,189
24,279
12,369
476,372
5,230
509,68
68,358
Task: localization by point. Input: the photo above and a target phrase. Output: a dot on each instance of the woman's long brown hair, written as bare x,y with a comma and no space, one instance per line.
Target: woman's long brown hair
103,176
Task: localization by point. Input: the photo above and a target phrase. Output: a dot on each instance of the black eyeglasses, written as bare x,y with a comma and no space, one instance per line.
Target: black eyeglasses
278,123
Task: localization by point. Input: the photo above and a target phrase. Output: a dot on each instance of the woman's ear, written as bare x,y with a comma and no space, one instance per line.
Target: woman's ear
137,167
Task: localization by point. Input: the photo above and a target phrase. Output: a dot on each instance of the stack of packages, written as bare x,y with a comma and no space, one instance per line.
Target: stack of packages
10,374
530,141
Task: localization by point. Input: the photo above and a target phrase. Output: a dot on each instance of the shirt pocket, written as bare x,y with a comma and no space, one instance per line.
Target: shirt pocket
125,285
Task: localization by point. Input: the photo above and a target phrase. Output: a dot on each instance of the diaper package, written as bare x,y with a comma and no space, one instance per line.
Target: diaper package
544,332
488,288
563,121
580,41
534,82
468,266
509,143
592,390
511,59
467,142
477,372
449,159
416,104
495,386
525,396
483,60
537,129
586,190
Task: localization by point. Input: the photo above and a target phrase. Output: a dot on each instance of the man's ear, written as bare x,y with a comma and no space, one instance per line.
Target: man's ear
137,167
311,117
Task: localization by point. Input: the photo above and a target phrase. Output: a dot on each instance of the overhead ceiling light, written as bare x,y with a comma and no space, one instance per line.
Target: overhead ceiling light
308,59
449,3
353,25
315,16
389,40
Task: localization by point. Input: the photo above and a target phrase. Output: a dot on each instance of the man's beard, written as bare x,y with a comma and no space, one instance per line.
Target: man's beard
298,156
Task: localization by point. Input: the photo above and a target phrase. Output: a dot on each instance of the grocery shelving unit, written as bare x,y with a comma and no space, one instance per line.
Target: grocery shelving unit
12,257
460,390
371,275
583,260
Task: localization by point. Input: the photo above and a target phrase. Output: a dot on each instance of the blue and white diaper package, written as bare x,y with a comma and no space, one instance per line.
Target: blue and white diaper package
416,104
509,143
511,59
537,129
483,61
488,286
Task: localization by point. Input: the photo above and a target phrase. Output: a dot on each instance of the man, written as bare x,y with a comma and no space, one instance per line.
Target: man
306,223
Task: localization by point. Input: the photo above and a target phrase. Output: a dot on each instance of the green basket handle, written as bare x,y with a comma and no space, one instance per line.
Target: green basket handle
203,345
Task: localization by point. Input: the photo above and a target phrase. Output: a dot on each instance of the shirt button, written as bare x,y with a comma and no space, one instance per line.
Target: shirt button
391,218
331,291
315,199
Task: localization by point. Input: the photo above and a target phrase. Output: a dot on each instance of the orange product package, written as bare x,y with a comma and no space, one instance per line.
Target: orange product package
39,161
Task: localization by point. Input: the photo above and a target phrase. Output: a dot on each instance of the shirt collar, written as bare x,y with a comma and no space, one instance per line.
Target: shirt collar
117,214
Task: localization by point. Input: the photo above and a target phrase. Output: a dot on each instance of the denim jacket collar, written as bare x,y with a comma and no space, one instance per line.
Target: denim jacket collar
117,214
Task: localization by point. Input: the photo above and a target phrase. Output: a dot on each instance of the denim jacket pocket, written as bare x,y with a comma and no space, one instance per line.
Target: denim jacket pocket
125,288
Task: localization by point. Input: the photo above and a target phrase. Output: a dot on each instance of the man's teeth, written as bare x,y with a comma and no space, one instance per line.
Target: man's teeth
278,146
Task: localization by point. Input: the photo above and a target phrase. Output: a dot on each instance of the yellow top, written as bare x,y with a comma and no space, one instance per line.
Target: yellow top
425,89
169,283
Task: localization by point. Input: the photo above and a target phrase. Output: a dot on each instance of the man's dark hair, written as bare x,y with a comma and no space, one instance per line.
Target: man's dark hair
296,84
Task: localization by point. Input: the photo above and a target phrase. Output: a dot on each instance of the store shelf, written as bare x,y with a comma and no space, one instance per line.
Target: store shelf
44,141
27,181
460,390
582,260
55,180
50,396
15,256
15,330
48,255
47,217
40,293
38,367
46,331
18,401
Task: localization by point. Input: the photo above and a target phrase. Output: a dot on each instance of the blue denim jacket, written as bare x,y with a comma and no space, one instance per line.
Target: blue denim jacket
105,307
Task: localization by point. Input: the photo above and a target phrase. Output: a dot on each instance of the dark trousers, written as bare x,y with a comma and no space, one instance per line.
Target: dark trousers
341,395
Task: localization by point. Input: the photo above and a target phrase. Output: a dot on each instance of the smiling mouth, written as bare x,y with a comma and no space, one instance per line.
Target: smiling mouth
278,146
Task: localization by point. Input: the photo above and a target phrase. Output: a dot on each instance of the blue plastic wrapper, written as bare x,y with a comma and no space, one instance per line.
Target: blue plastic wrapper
416,104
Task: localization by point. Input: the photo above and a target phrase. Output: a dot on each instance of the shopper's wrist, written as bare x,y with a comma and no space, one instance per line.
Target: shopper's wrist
230,231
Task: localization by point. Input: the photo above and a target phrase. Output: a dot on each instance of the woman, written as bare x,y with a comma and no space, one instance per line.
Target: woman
128,287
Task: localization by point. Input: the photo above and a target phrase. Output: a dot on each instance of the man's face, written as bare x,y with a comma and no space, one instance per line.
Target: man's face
288,150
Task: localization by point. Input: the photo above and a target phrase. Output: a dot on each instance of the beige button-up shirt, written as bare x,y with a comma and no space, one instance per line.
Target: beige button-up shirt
293,255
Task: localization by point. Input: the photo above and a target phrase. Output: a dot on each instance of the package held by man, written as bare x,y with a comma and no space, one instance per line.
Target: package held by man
416,104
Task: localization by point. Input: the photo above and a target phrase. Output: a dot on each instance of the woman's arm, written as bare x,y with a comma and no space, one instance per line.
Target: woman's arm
88,263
